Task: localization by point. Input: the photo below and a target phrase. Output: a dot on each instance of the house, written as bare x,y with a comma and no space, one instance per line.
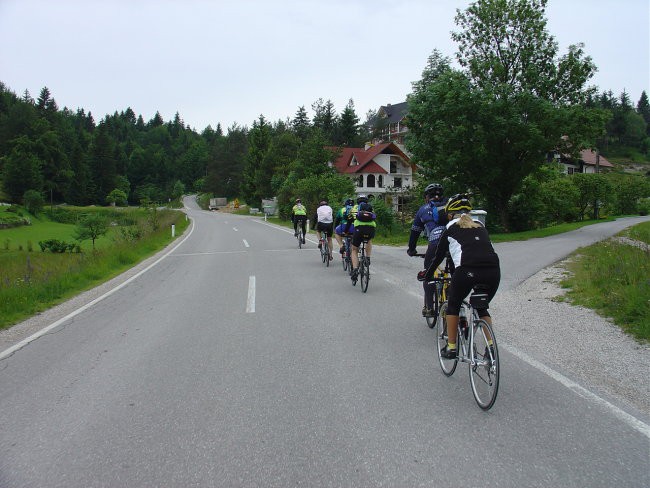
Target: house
390,124
587,162
381,171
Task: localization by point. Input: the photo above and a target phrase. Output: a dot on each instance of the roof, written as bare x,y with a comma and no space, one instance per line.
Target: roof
589,157
394,113
364,158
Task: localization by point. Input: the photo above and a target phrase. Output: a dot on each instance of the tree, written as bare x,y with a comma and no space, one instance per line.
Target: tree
325,118
492,123
301,124
92,227
117,197
643,109
33,201
21,170
348,127
258,171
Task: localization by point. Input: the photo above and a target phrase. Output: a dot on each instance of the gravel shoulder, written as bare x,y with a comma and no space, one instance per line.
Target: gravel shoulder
573,340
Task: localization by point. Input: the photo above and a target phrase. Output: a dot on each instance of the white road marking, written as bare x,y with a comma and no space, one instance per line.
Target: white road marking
235,229
207,253
245,243
250,302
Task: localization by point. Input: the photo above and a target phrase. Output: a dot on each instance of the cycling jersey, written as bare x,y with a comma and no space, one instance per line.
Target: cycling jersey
467,247
299,209
431,219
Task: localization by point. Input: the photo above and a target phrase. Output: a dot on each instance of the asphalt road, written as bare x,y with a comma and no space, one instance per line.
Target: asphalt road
239,360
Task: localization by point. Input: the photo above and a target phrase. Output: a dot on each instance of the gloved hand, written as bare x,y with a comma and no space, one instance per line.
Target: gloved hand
411,252
422,275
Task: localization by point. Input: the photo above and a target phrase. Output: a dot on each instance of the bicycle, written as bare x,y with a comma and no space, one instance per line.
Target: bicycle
364,267
300,236
324,248
442,280
473,348
345,257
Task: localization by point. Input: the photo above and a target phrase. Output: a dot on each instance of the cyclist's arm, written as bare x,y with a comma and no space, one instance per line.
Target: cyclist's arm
441,254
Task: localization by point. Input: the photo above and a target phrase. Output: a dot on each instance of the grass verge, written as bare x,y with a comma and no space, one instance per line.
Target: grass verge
613,278
31,282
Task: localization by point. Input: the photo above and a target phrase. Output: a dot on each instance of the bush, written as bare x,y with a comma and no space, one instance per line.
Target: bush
644,206
54,245
34,201
117,197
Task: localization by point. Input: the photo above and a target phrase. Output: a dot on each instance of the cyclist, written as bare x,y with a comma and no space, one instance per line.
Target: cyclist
364,229
324,222
475,263
343,223
431,219
299,215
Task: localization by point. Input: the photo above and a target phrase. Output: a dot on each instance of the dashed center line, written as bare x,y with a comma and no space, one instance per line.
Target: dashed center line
246,243
250,302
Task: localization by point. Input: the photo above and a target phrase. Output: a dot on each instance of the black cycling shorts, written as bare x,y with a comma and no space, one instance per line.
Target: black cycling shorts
462,282
327,228
362,233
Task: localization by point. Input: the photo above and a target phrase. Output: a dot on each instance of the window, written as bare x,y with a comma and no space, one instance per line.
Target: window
397,182
393,166
570,170
360,181
380,181
370,181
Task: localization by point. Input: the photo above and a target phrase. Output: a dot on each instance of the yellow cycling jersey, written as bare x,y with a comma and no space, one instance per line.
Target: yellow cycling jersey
299,209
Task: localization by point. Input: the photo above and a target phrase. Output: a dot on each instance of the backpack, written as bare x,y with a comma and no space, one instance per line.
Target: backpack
346,214
365,213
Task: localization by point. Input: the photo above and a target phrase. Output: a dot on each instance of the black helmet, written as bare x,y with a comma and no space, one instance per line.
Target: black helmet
458,204
433,189
323,202
362,199
349,201
298,200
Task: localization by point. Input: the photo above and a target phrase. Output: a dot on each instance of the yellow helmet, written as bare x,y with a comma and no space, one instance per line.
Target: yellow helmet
458,204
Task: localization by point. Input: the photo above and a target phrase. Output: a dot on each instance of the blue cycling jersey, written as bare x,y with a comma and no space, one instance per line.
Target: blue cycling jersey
429,218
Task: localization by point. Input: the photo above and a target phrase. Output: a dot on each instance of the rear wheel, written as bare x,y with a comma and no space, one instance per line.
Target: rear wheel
431,321
364,269
299,238
484,369
326,253
448,366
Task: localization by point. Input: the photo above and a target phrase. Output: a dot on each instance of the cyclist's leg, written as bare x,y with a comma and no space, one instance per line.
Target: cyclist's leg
354,255
304,227
328,233
339,238
460,286
428,289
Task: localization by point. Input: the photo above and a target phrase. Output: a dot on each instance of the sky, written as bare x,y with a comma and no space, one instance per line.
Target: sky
230,61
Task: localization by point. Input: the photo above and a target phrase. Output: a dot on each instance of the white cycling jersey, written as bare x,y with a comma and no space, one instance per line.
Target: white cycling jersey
324,213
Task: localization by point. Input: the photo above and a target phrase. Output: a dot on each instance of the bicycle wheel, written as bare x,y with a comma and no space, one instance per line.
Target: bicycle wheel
323,251
344,259
364,268
448,366
431,321
484,369
326,254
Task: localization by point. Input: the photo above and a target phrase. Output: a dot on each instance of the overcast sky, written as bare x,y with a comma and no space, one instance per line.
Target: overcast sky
228,62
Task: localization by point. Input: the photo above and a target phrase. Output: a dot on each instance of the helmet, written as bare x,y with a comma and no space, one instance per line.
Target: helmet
362,198
298,200
349,201
433,189
458,204
323,202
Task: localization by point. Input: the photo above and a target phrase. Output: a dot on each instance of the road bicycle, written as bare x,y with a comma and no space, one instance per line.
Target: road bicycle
442,280
364,267
324,248
474,347
345,257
